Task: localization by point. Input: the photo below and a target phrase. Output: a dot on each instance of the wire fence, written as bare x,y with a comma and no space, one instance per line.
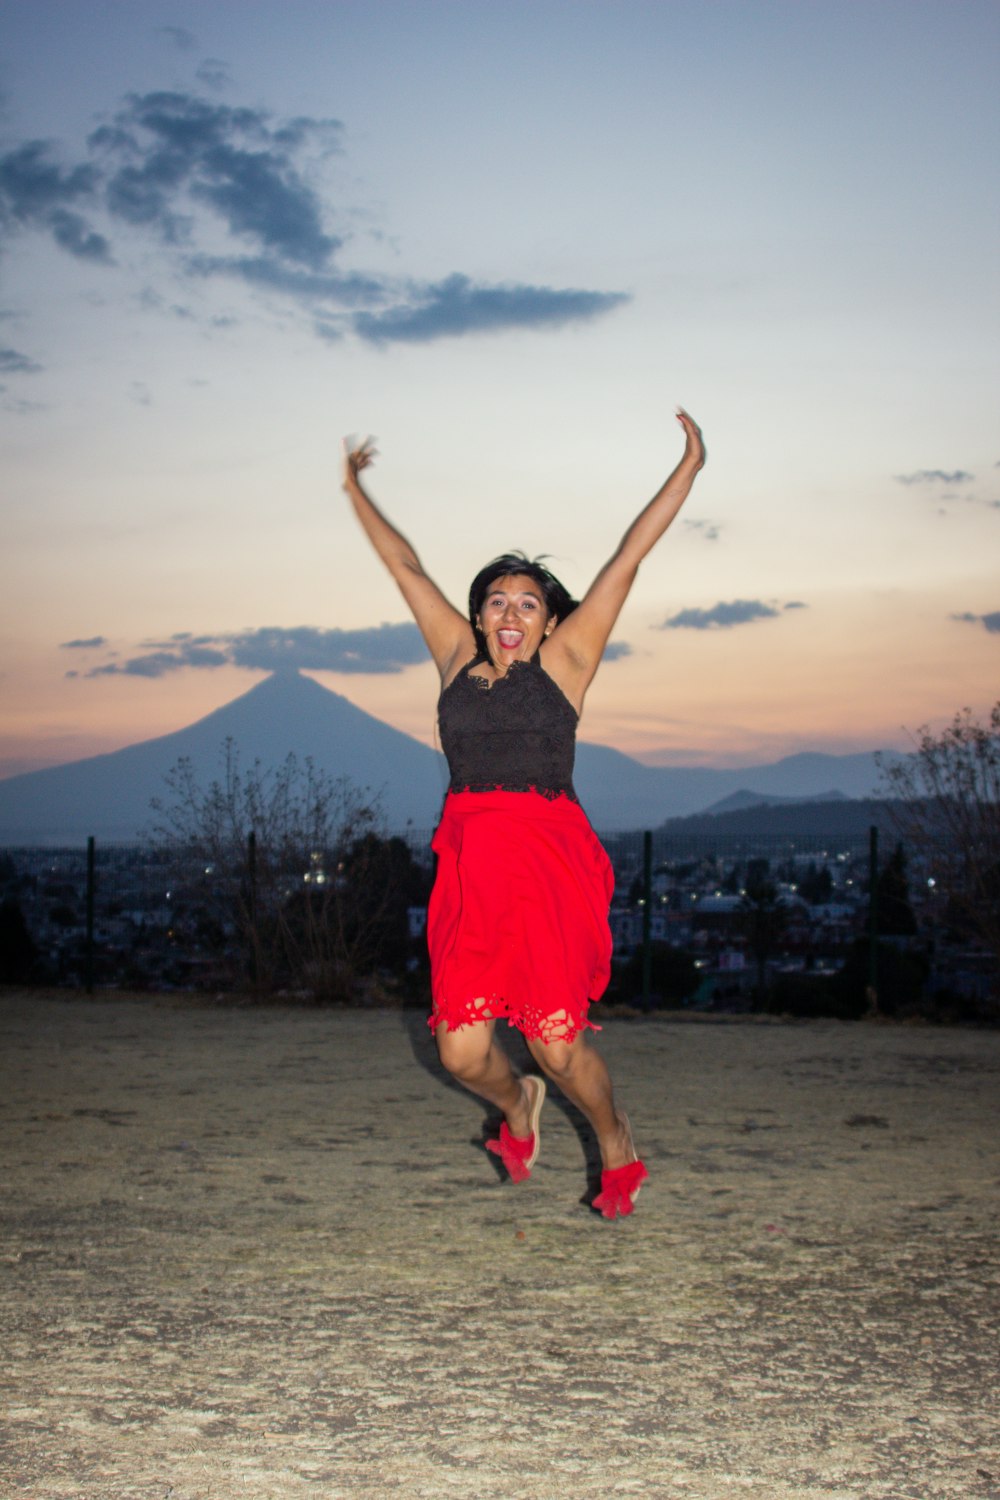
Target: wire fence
722,920
141,878
141,915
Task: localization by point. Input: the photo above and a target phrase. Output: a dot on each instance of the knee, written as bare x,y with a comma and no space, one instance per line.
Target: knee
464,1056
557,1059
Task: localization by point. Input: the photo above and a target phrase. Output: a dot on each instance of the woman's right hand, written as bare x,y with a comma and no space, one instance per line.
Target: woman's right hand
357,456
448,634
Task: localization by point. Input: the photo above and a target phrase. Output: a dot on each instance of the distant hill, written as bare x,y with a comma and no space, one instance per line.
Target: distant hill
110,795
802,818
742,799
620,793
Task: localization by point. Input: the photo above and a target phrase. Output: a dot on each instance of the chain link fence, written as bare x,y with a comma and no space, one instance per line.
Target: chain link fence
700,920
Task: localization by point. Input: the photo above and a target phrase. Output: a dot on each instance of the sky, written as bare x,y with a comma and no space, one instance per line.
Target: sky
507,240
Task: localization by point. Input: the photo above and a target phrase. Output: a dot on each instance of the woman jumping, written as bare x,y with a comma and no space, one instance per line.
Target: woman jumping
518,918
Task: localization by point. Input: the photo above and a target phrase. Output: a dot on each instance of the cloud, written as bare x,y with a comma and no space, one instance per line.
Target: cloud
37,193
935,476
166,153
159,663
990,621
707,530
932,481
377,650
721,616
213,73
183,40
229,191
18,407
13,362
459,306
72,233
385,648
312,289
795,604
949,498
33,185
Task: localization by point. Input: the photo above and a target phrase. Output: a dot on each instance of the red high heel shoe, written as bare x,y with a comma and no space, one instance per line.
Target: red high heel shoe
520,1152
620,1185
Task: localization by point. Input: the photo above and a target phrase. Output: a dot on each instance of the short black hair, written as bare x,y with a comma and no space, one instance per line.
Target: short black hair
556,596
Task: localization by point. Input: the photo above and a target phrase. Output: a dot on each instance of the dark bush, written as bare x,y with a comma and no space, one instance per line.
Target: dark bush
18,954
901,975
811,995
673,979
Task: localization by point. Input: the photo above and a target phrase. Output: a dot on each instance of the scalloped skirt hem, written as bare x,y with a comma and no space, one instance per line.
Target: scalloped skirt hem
529,1020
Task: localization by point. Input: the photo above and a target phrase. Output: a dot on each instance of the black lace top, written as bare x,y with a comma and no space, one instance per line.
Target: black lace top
517,734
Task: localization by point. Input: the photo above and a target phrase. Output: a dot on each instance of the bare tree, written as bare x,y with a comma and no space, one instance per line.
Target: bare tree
947,806
266,867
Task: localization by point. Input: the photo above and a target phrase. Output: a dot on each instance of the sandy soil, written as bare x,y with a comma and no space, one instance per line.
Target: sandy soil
262,1254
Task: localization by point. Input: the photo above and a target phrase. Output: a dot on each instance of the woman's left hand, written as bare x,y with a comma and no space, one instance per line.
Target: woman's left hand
694,451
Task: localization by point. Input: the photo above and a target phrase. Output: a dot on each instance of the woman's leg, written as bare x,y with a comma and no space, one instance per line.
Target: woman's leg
475,1058
582,1075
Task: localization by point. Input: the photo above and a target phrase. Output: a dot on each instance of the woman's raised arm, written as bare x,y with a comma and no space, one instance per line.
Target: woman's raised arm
573,652
446,632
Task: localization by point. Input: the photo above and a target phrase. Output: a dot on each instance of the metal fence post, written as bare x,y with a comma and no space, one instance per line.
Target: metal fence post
88,947
647,917
873,919
252,902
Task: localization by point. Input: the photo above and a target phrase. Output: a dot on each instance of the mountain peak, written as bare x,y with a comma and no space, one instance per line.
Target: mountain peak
284,714
287,713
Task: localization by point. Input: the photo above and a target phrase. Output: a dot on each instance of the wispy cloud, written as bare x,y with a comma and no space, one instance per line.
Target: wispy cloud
227,191
183,40
383,648
990,621
159,663
935,477
724,616
37,193
13,362
213,73
316,290
377,650
707,530
17,406
457,305
948,487
165,153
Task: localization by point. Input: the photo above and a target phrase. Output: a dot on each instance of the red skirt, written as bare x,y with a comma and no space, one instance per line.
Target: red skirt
518,919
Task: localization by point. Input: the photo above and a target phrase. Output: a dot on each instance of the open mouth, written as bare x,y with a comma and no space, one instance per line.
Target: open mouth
510,639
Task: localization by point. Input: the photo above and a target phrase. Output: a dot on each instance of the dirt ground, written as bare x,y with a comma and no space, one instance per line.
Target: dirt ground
262,1254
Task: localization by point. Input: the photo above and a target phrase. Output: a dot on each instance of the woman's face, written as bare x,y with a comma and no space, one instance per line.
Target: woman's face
514,619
